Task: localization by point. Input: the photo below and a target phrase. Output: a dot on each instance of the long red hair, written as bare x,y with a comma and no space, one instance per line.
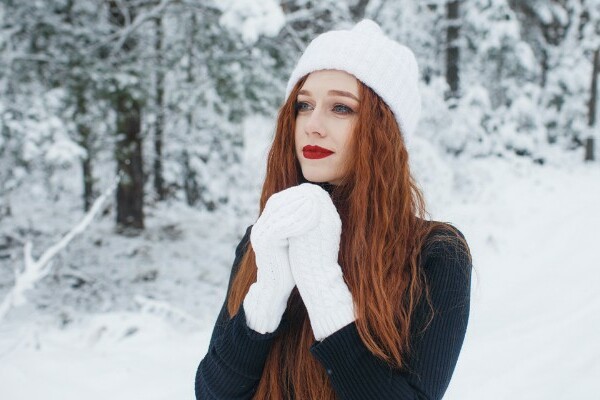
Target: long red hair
383,214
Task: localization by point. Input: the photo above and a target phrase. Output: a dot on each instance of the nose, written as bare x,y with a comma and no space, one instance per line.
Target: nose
315,123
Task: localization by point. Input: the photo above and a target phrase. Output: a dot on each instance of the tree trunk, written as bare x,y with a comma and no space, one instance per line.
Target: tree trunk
452,56
128,150
79,89
358,10
84,140
589,143
190,182
545,67
589,149
159,184
130,192
593,90
88,182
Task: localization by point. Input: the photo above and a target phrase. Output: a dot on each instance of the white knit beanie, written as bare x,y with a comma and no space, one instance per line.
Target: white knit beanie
386,66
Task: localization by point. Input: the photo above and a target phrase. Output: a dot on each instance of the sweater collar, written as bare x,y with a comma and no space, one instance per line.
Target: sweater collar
328,187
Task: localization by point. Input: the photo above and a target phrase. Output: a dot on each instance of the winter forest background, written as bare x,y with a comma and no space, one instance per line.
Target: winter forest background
133,135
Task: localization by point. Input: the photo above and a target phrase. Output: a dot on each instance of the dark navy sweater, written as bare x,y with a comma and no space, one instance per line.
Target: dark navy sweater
236,355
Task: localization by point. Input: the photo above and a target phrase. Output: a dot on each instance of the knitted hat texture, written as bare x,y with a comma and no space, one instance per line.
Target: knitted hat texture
386,66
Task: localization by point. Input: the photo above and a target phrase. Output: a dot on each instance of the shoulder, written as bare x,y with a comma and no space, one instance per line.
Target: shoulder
444,240
442,314
446,257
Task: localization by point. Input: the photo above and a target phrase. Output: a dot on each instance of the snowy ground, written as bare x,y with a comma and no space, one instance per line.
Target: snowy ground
534,325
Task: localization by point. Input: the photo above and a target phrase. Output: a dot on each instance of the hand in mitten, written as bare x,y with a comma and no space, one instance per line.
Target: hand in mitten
287,213
314,263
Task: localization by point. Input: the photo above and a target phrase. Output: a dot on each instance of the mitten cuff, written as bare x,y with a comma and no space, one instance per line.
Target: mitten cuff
326,319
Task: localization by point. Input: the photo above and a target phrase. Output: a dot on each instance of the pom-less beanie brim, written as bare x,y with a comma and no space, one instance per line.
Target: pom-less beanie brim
389,68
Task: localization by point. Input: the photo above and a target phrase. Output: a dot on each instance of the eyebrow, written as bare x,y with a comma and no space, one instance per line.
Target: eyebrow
334,92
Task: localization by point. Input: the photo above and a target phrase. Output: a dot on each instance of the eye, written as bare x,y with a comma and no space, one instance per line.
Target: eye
300,105
342,109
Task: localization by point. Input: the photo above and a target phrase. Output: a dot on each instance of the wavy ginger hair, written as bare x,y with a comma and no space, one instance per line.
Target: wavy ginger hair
379,248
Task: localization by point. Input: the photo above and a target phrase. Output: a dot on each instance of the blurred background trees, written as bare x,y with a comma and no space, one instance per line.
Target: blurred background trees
178,99
157,91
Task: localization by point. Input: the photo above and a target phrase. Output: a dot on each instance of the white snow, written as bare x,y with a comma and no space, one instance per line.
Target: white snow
252,18
534,323
533,331
121,317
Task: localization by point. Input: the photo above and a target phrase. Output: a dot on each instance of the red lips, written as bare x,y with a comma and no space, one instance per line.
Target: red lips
315,152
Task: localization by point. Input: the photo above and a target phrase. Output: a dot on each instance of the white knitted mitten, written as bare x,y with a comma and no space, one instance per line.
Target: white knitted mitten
292,211
314,263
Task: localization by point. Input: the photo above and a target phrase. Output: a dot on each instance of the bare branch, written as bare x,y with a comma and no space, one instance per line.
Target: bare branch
136,23
295,37
34,270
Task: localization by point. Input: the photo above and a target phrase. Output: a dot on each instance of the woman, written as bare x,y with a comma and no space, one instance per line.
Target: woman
346,290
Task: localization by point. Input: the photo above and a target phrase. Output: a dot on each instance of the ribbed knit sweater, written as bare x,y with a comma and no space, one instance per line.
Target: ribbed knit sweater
236,355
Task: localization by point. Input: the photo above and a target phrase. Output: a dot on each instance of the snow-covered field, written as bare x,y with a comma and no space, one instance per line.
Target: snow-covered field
534,328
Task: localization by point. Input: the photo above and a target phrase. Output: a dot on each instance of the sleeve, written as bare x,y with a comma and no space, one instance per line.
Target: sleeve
355,373
236,354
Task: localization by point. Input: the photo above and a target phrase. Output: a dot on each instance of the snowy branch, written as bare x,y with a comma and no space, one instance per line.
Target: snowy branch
300,15
295,37
34,270
139,20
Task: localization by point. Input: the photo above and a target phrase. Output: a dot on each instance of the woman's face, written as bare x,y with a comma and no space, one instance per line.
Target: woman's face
327,107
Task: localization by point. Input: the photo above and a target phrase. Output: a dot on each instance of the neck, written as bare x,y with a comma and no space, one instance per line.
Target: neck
328,187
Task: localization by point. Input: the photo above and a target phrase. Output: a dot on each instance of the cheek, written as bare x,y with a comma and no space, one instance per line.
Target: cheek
298,126
297,136
344,136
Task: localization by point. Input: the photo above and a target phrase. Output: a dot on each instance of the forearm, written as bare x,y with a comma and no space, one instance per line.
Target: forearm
355,373
235,360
